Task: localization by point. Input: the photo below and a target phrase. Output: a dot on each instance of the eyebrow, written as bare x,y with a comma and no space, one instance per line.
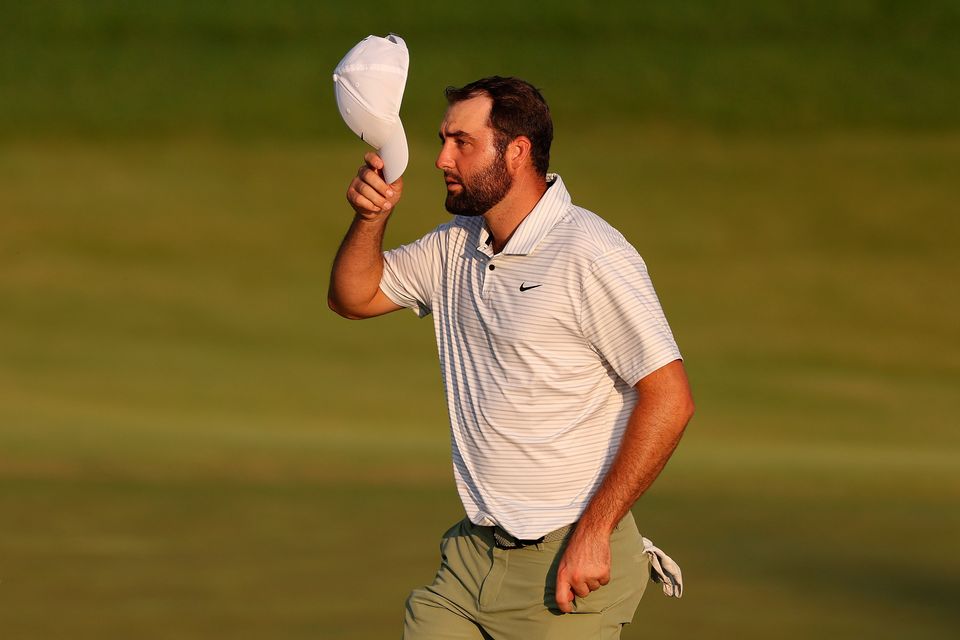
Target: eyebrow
463,135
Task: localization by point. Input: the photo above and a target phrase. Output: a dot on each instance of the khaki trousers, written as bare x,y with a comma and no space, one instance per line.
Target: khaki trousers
483,592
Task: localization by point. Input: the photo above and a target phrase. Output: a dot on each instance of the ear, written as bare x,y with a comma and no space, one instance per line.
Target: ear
517,154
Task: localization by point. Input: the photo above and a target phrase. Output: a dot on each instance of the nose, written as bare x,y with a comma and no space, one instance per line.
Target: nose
444,160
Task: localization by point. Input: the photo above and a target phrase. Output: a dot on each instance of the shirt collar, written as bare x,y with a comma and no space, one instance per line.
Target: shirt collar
535,226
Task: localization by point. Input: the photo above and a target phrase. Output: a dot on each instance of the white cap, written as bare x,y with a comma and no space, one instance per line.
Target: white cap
369,84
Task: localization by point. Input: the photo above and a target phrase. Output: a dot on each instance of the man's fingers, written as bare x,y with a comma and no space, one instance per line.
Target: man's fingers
371,194
359,202
580,589
362,203
374,179
373,160
372,171
564,596
368,194
367,176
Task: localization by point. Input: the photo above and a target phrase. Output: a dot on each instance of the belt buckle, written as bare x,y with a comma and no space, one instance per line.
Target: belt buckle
503,540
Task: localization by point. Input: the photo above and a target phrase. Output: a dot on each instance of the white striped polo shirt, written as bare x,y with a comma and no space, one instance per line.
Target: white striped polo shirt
540,346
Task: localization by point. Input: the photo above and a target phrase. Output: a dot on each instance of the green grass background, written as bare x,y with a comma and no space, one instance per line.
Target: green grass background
193,446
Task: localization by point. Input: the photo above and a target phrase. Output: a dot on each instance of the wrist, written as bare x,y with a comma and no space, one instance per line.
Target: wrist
597,525
372,219
592,533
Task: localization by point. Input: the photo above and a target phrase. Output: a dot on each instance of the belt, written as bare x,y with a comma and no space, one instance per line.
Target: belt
504,540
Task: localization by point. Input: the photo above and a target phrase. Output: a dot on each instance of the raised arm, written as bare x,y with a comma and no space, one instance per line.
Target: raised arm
664,406
355,279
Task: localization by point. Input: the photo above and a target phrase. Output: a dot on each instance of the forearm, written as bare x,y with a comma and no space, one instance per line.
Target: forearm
358,267
653,432
664,406
355,279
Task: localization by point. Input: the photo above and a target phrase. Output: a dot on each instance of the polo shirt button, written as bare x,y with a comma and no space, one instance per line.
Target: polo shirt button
491,267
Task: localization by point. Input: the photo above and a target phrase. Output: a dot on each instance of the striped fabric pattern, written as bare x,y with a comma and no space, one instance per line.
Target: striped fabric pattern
540,347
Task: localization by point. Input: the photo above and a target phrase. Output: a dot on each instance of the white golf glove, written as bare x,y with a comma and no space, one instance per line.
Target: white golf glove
664,570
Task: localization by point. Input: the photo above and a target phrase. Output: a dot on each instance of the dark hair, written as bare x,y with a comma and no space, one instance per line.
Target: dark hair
518,110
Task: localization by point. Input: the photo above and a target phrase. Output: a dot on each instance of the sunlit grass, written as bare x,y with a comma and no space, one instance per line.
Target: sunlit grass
194,446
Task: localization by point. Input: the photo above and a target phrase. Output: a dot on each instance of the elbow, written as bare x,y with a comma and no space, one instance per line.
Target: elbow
332,303
339,310
690,408
687,407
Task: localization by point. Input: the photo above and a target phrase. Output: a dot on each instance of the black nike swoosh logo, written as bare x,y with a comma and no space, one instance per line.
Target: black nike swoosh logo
525,288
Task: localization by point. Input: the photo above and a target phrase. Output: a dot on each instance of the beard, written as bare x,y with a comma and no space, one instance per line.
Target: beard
481,192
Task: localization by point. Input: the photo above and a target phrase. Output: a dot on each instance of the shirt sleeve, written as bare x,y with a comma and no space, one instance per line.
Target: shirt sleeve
411,272
621,316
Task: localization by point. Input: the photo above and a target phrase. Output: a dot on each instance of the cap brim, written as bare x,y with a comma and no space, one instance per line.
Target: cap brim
395,154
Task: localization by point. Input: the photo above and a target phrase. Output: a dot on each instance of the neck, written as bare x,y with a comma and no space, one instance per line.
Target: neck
504,218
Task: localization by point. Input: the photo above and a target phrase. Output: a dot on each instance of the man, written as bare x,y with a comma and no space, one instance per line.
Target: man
565,388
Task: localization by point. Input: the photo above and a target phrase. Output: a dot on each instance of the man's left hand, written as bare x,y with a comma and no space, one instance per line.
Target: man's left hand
584,567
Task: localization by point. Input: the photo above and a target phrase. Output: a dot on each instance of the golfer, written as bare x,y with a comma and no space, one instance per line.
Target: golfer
565,388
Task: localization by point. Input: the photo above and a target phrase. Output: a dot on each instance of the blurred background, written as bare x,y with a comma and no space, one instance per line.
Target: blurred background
193,446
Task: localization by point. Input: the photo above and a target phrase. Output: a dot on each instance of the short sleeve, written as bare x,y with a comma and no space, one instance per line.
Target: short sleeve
621,316
411,272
